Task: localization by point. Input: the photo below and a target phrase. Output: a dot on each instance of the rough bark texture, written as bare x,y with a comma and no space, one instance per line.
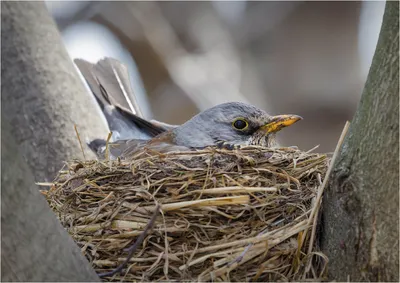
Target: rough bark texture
42,95
34,245
42,98
360,221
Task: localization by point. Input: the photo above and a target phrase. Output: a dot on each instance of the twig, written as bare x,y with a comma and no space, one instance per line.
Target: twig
234,200
241,256
314,213
107,146
80,142
136,244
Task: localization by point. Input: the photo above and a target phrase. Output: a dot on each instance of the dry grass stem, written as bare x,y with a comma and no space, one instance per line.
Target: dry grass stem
80,142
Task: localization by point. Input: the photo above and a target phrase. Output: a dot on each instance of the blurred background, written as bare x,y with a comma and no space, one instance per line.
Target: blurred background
305,58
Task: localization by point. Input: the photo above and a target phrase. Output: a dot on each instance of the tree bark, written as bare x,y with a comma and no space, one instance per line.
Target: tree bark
34,245
360,218
42,95
42,98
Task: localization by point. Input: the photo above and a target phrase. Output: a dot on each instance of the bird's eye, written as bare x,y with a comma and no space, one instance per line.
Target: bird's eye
240,124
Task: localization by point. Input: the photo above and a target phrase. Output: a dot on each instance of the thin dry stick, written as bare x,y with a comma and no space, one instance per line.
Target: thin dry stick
135,245
166,263
241,199
314,213
107,148
240,257
207,177
80,142
226,269
225,190
229,190
321,188
328,172
302,225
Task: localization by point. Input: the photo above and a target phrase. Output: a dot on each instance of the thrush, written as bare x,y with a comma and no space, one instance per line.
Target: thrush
227,125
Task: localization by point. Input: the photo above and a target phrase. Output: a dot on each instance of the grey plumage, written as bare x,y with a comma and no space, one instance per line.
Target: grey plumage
215,124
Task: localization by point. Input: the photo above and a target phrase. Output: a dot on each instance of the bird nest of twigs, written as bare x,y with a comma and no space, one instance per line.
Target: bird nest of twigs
208,215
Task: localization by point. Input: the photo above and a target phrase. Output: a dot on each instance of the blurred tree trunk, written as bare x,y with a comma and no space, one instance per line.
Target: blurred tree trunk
360,220
42,98
34,245
42,95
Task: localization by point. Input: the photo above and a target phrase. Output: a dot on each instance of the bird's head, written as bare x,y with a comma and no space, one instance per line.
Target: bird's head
235,123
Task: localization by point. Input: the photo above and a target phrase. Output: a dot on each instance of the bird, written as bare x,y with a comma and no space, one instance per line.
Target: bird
228,125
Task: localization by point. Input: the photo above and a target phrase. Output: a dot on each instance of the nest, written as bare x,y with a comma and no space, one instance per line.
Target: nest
209,215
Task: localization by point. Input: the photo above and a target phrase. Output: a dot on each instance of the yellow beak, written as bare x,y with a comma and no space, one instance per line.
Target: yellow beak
279,122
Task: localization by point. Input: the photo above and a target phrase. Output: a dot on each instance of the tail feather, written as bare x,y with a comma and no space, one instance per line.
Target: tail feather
114,78
108,79
87,70
109,82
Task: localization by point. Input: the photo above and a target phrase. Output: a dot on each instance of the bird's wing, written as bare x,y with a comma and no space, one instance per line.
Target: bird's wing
163,143
165,126
109,82
115,149
125,149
